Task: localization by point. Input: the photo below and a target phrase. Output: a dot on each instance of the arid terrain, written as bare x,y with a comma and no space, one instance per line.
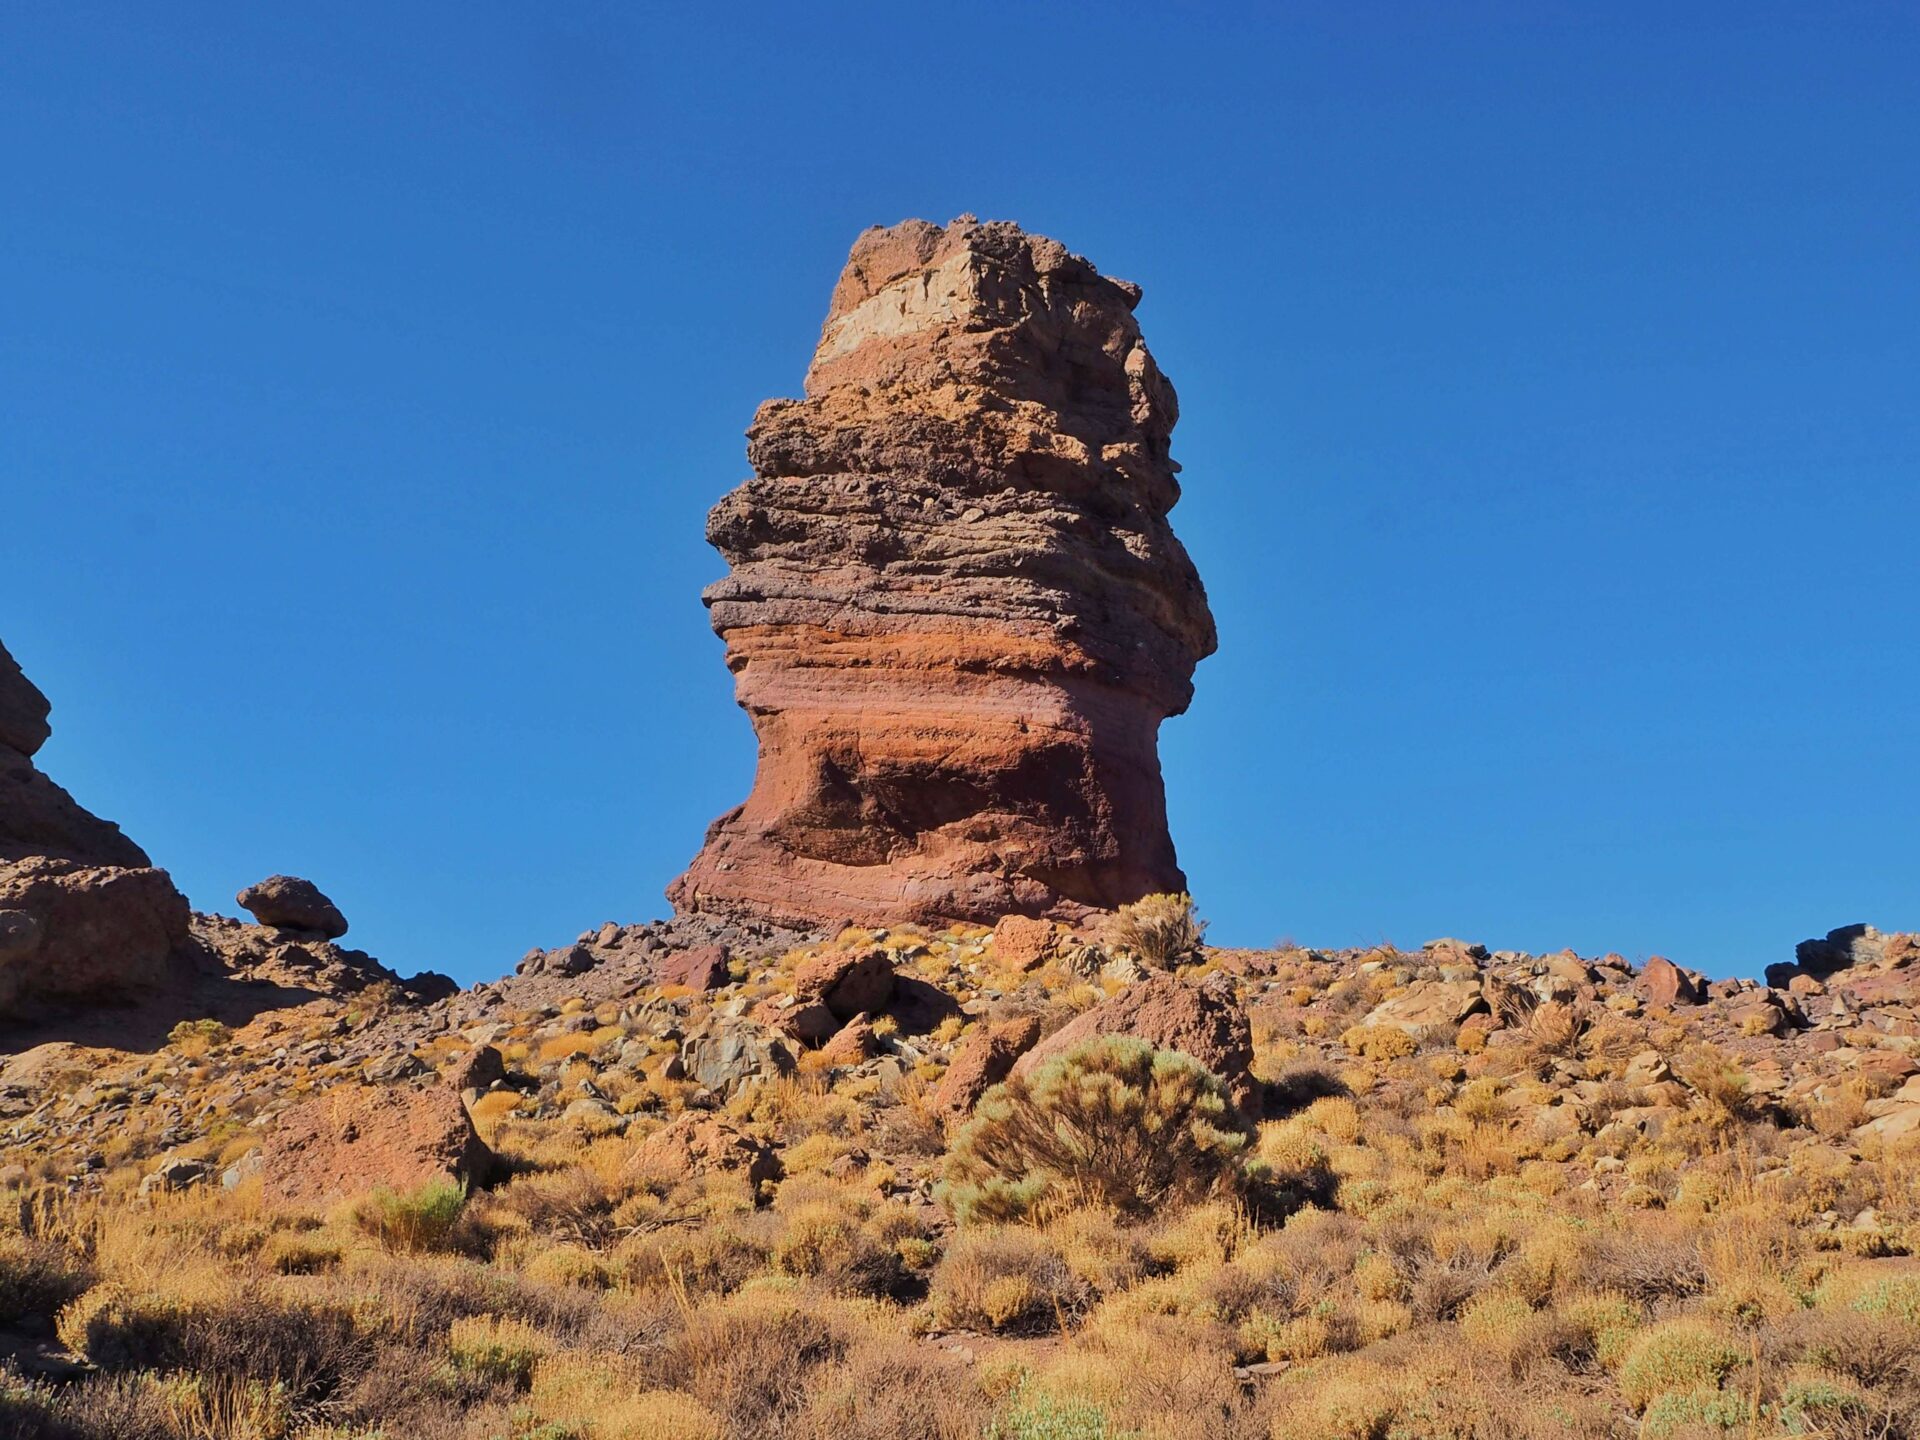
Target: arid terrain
929,1113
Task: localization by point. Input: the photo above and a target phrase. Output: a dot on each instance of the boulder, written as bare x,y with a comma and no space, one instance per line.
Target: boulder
846,982
954,608
1203,1020
984,1058
852,1044
359,1138
479,1069
1428,1007
91,934
84,916
695,1145
703,967
808,1022
23,709
734,1054
1023,943
1667,984
286,902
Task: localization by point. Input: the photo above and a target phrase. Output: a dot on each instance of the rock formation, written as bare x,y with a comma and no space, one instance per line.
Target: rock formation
87,920
83,913
286,902
955,610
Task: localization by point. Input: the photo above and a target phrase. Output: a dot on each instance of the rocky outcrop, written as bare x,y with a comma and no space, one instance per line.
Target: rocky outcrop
984,1059
696,1145
955,610
84,916
361,1138
1205,1021
299,960
286,902
1667,984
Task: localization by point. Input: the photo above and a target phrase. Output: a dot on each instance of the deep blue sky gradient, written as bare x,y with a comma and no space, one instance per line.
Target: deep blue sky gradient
1550,433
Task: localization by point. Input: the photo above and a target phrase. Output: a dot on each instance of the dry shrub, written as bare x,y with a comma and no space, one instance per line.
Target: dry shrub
1515,1336
1379,1042
1647,1265
714,1259
497,1348
1154,1376
108,1407
753,1359
1004,1278
37,1277
1113,1122
597,1397
895,1389
1556,1029
1157,930
305,1347
830,1241
572,1204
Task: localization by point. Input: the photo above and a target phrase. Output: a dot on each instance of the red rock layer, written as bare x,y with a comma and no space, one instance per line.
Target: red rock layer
955,610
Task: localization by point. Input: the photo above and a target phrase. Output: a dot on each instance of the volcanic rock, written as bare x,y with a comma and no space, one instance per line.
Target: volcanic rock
1667,984
704,967
300,960
1204,1021
286,902
699,1145
87,917
1022,943
1428,1007
363,1137
955,610
984,1059
733,1055
848,983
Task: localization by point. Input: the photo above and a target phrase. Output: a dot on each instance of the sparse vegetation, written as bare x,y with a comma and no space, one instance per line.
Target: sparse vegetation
1159,930
1591,1221
1114,1122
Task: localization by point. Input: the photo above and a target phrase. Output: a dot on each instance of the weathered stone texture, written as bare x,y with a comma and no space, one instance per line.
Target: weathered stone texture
955,610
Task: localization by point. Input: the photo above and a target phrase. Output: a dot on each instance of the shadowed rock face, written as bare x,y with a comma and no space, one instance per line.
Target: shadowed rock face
954,609
83,915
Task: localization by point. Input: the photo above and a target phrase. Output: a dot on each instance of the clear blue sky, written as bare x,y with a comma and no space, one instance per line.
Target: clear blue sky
1549,377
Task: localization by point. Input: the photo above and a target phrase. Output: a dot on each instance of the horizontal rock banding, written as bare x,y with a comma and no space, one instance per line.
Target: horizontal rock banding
954,609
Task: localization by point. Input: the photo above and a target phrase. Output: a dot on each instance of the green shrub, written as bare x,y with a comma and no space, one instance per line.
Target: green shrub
1687,1412
1676,1358
497,1348
1157,929
1039,1416
427,1218
1896,1297
1111,1123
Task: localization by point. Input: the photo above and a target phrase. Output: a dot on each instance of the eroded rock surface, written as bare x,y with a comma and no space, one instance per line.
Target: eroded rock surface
360,1138
955,610
86,916
286,902
1205,1021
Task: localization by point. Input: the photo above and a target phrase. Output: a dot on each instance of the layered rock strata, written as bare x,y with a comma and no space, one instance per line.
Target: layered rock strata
955,611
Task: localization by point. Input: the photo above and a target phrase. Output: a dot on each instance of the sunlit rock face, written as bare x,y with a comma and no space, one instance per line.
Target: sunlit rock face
954,608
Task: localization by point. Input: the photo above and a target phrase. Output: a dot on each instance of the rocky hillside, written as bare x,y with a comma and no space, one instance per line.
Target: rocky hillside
662,1184
928,1115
